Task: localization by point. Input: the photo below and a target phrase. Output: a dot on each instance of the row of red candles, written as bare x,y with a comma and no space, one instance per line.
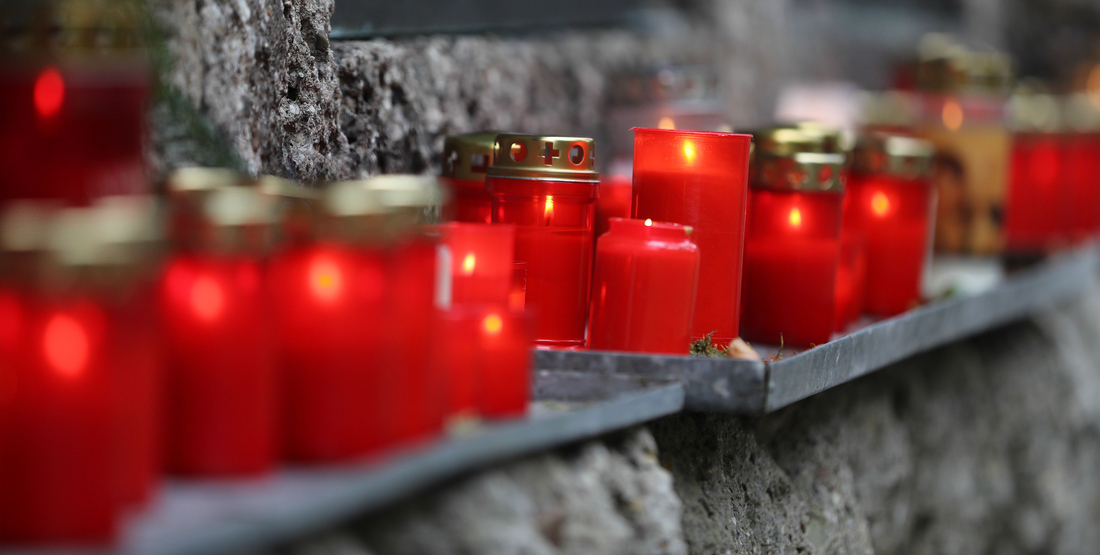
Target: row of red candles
325,350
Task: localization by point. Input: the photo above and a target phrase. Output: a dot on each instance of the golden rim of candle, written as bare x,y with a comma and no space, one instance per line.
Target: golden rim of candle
788,139
882,152
1035,112
469,156
197,179
800,171
545,157
1081,113
76,29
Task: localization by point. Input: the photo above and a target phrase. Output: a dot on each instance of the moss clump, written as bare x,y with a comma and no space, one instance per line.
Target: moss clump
705,347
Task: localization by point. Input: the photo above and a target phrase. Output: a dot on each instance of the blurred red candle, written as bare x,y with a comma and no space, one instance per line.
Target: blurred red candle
892,201
851,269
644,288
546,187
1082,168
481,261
504,340
465,161
699,179
1037,181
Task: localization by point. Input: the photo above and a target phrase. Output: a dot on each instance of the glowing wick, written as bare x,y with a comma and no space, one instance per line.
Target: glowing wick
469,263
66,345
689,152
492,324
326,281
795,218
880,204
952,115
549,210
648,222
49,92
666,123
207,298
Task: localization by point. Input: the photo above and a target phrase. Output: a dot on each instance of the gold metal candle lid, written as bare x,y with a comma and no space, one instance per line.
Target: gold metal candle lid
880,152
1080,113
1033,111
544,157
468,156
194,179
788,158
398,191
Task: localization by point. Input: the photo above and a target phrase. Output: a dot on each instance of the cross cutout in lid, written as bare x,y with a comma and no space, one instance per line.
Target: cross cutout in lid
452,162
550,153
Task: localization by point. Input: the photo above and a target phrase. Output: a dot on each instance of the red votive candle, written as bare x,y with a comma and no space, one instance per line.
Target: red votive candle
466,158
222,378
792,240
1082,168
644,288
547,187
699,179
481,261
504,341
892,197
1037,181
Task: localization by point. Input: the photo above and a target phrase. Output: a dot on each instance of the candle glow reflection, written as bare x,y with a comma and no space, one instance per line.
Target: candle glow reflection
66,345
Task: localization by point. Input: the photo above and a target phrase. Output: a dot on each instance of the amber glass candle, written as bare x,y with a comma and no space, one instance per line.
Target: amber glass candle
699,179
547,187
466,158
644,287
892,200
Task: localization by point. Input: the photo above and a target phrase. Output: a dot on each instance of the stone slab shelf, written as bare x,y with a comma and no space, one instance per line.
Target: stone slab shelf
209,517
756,388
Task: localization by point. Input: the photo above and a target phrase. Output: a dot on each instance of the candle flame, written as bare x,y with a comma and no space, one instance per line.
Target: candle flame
689,152
795,217
880,205
49,92
549,210
469,263
326,281
666,123
492,324
952,114
66,345
648,222
207,298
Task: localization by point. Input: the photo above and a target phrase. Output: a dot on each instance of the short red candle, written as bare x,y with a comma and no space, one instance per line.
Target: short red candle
57,430
465,161
1082,201
644,287
330,323
547,188
1034,215
504,340
892,200
699,179
221,369
481,261
792,248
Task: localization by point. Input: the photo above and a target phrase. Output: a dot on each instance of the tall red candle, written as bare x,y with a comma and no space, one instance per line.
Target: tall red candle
892,197
546,187
481,268
644,288
1037,182
699,179
466,158
222,405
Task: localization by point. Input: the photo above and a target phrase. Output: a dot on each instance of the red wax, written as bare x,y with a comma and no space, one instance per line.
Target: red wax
699,179
504,340
554,230
1033,208
58,470
330,323
851,269
481,261
222,382
893,214
94,116
643,288
411,319
792,248
1082,155
469,201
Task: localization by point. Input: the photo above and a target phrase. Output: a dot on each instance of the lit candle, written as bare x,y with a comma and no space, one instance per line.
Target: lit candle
546,187
699,179
892,197
466,158
481,261
222,405
792,240
504,340
1037,182
644,288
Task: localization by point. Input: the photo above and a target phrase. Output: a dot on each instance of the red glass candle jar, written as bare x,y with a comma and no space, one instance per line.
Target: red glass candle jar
1037,182
481,261
329,299
466,158
222,378
892,199
851,268
699,179
81,89
644,288
547,187
1082,168
792,240
504,341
